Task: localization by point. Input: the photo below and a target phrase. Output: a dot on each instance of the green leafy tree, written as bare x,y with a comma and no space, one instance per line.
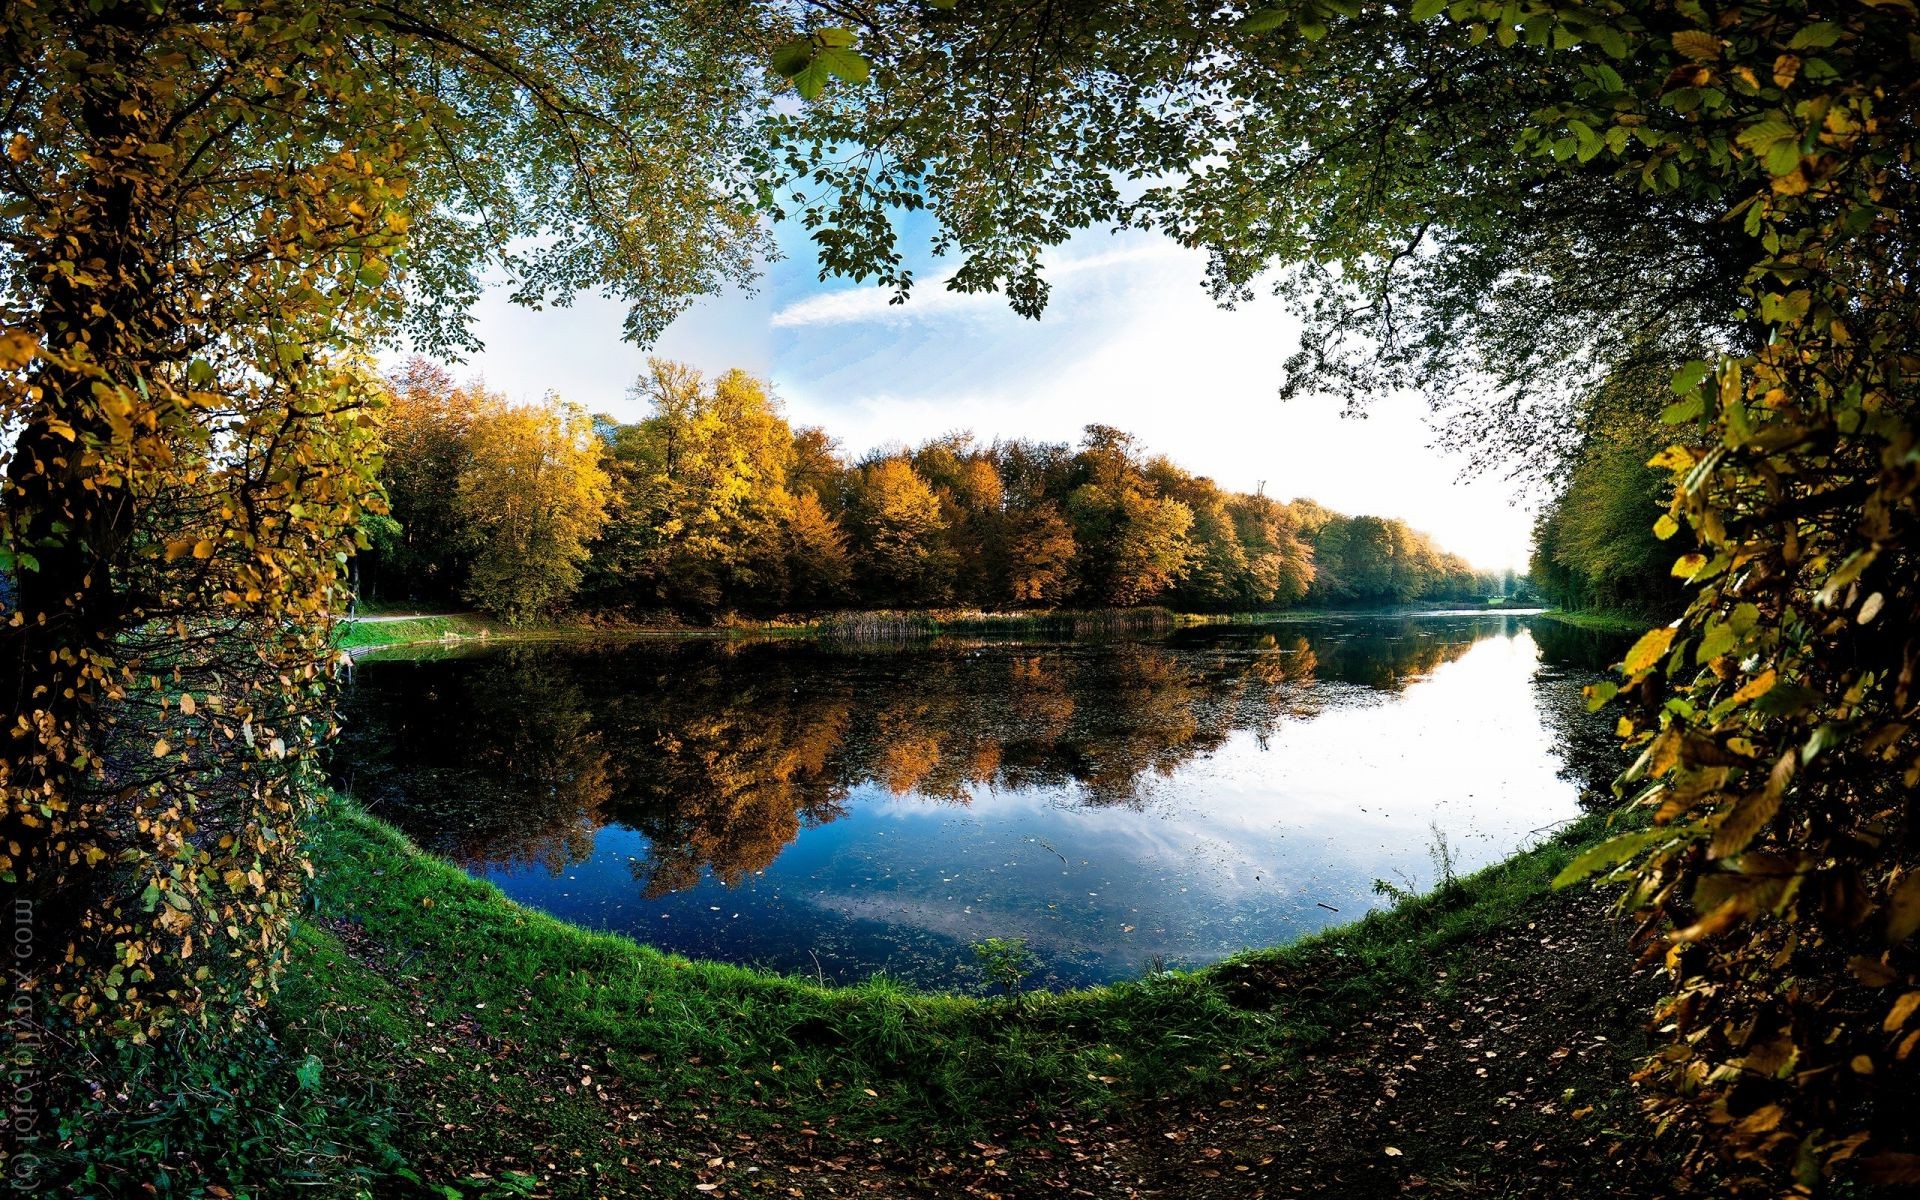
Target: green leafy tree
1545,207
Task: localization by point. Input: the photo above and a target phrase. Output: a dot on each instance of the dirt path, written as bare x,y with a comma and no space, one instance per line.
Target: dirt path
1513,1084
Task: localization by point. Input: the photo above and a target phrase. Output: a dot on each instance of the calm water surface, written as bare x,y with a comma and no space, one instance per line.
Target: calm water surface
1119,804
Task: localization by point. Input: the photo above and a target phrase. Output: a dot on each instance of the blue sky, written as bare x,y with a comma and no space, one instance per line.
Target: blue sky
1129,339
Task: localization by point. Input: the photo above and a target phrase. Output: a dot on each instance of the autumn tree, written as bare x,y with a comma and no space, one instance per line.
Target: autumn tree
898,530
702,502
533,495
1131,542
212,215
428,429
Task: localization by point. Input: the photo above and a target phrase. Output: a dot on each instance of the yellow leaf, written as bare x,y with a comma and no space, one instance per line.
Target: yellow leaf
186,704
1754,688
1901,1012
203,548
176,549
1688,565
1648,650
160,748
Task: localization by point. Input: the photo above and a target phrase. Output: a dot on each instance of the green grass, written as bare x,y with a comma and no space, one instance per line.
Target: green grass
370,635
426,1024
1605,621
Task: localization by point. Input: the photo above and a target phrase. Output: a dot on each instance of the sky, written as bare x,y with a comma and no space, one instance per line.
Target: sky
1129,339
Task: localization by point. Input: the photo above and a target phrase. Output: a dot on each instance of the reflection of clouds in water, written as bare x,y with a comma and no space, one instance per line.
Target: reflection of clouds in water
1214,788
1361,785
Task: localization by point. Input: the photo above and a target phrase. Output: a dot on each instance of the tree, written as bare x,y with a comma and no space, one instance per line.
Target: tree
1569,202
429,428
533,494
703,497
1131,544
897,529
211,214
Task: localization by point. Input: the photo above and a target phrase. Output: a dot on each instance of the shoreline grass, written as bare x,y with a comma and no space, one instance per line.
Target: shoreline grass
1604,620
393,630
426,1027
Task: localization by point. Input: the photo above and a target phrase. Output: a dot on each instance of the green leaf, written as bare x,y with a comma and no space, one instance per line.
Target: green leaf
847,64
1426,10
811,81
1690,377
1718,641
1682,411
835,38
1264,20
791,58
1608,854
1816,36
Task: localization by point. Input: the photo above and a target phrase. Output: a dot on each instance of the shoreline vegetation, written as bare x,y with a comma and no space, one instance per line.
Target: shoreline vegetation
386,630
431,1034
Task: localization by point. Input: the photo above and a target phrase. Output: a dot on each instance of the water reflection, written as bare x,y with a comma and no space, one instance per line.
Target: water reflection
811,807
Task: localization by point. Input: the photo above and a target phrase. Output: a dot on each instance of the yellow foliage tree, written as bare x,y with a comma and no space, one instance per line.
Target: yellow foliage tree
535,495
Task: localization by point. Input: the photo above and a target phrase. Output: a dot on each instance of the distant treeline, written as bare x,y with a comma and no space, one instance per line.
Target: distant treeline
1595,546
714,503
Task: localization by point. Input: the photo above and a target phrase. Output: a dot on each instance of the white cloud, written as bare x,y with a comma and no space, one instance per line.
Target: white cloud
932,299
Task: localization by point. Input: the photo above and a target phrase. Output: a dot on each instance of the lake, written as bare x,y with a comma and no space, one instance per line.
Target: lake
1122,804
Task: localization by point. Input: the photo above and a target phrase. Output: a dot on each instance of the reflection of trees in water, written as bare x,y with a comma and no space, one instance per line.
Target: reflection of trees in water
492,760
720,753
1570,658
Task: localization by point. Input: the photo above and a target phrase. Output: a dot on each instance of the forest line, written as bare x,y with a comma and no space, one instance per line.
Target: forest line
714,503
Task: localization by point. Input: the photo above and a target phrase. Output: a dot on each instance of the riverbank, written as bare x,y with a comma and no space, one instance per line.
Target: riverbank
1604,621
389,630
452,1037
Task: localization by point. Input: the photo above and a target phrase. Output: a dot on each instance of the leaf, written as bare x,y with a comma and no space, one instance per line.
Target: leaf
812,80
1902,1010
1665,527
1426,10
1750,814
1689,377
835,38
1263,20
186,704
1610,853
1816,36
160,748
1718,641
1697,44
1647,651
308,1073
1688,565
791,58
844,63
1903,909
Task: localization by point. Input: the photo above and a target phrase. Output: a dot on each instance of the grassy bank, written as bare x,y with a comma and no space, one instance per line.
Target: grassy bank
1603,621
428,1027
362,633
385,630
